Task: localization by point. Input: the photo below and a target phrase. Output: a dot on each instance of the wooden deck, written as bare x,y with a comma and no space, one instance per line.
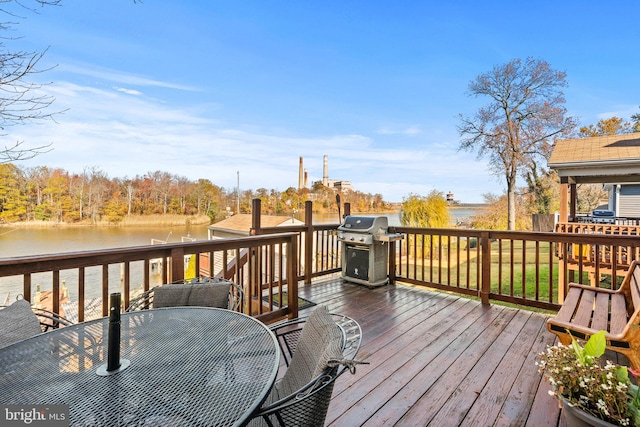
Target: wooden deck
437,359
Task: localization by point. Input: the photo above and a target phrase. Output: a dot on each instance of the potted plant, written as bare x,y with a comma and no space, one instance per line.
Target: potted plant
592,391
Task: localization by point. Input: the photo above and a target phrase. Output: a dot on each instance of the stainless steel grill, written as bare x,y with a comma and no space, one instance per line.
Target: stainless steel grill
365,252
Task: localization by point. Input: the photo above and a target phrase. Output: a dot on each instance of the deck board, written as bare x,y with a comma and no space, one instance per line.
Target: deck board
437,359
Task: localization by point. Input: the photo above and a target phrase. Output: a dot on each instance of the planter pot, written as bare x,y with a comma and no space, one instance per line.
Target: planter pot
576,417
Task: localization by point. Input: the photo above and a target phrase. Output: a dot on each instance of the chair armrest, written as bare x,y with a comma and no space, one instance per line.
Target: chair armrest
593,288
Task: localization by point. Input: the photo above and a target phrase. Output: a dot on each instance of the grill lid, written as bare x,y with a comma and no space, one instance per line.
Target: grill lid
365,224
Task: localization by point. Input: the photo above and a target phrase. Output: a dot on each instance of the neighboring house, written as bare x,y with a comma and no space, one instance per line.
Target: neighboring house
239,225
612,160
624,199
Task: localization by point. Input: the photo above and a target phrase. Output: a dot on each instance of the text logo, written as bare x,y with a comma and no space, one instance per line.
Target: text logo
34,415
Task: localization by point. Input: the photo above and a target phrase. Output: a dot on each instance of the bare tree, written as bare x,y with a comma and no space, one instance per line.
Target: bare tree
525,115
21,100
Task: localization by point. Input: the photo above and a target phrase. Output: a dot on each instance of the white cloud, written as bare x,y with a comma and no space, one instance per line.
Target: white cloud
128,136
118,76
621,111
127,91
409,131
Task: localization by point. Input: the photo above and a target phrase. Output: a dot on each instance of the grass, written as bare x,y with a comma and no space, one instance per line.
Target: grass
515,270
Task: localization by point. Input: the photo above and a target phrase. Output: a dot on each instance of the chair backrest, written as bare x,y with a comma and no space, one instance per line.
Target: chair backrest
200,294
201,291
302,396
18,322
321,340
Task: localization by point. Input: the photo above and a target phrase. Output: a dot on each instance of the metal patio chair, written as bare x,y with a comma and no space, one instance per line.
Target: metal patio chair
202,292
316,351
20,321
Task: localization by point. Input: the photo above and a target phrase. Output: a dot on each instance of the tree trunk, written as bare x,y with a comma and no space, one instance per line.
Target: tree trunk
511,206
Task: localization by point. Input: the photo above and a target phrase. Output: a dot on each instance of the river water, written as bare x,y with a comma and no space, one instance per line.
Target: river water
17,242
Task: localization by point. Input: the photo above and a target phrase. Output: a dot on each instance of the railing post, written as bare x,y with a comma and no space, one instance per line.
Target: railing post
392,262
26,287
485,285
308,241
253,262
292,277
256,212
56,291
347,210
177,264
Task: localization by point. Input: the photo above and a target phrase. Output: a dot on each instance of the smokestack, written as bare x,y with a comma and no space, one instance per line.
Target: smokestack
300,174
325,171
306,179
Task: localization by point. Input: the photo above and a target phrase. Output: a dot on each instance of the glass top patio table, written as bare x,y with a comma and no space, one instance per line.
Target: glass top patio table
189,366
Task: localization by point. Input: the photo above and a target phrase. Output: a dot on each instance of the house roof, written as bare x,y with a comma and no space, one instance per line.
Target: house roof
603,159
242,222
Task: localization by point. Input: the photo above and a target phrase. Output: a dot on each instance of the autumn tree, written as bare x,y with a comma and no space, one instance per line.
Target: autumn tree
604,127
494,215
519,125
13,202
635,122
590,196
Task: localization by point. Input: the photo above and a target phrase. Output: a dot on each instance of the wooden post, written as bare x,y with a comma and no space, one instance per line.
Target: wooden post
177,264
253,262
256,211
292,277
56,291
308,241
564,190
485,285
81,283
26,287
105,290
573,202
392,262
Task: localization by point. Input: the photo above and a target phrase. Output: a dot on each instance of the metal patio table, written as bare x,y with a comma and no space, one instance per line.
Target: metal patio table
188,366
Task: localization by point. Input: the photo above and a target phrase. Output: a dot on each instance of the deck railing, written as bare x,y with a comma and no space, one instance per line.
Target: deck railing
319,248
525,268
262,264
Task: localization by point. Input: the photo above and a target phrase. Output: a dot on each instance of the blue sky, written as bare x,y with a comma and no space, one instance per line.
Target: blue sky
207,89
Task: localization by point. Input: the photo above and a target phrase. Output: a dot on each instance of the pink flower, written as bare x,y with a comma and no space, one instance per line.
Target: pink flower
634,372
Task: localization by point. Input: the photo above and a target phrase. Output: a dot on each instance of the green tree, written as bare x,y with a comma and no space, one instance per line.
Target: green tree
431,211
524,116
543,191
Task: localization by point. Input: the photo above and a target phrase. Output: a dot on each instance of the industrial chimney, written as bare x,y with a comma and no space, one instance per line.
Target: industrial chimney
325,171
300,175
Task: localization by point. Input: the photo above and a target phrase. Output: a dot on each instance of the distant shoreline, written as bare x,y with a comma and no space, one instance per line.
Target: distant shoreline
172,220
134,221
468,206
